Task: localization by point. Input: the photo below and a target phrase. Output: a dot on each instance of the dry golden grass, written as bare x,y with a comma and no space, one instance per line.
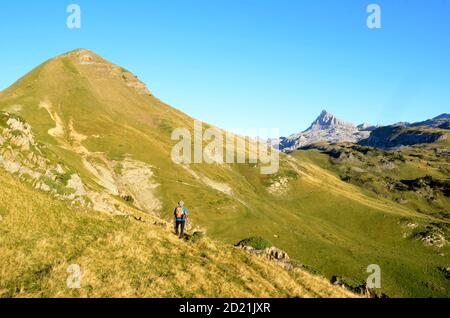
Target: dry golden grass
121,257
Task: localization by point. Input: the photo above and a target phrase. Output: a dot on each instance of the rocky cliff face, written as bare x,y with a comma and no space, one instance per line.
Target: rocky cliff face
326,128
442,121
32,162
396,136
22,155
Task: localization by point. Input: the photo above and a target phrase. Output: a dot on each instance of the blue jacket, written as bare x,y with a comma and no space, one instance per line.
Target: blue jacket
184,218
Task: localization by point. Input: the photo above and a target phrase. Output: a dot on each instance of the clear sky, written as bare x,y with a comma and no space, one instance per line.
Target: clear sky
253,63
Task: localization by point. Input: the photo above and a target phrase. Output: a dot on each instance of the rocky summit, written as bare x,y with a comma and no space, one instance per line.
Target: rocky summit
326,128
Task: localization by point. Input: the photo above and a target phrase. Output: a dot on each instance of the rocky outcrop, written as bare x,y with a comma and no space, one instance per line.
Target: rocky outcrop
271,253
279,186
129,179
433,235
135,179
21,155
31,162
84,57
276,254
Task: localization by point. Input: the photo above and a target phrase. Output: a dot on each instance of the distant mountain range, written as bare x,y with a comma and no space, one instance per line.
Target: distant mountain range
329,128
441,121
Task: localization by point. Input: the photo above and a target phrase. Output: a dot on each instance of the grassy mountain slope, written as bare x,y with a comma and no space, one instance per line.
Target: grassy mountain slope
98,120
416,177
121,257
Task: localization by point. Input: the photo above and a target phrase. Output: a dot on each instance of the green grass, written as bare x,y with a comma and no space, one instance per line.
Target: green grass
330,225
69,65
379,171
256,242
41,237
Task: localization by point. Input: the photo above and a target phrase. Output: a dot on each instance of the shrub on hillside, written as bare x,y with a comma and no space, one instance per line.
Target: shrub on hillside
256,242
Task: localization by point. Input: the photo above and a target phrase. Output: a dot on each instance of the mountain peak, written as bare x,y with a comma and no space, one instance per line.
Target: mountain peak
84,56
326,128
326,120
92,65
79,50
442,116
325,113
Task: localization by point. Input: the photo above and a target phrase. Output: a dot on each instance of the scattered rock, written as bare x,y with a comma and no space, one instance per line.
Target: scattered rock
139,219
274,253
127,198
401,200
442,152
160,224
85,59
279,186
435,239
358,288
133,82
432,236
446,271
411,225
271,253
77,185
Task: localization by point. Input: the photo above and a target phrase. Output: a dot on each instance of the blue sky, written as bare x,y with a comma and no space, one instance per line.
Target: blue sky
253,63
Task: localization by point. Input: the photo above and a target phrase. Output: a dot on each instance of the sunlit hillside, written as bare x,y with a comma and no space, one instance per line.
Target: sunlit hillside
81,134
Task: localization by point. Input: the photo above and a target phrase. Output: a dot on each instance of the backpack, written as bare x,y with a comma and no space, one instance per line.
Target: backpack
179,212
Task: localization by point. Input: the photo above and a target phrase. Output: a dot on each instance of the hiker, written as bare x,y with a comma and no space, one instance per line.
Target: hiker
181,215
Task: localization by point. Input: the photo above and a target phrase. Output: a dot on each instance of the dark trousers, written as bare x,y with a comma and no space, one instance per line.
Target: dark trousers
179,224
